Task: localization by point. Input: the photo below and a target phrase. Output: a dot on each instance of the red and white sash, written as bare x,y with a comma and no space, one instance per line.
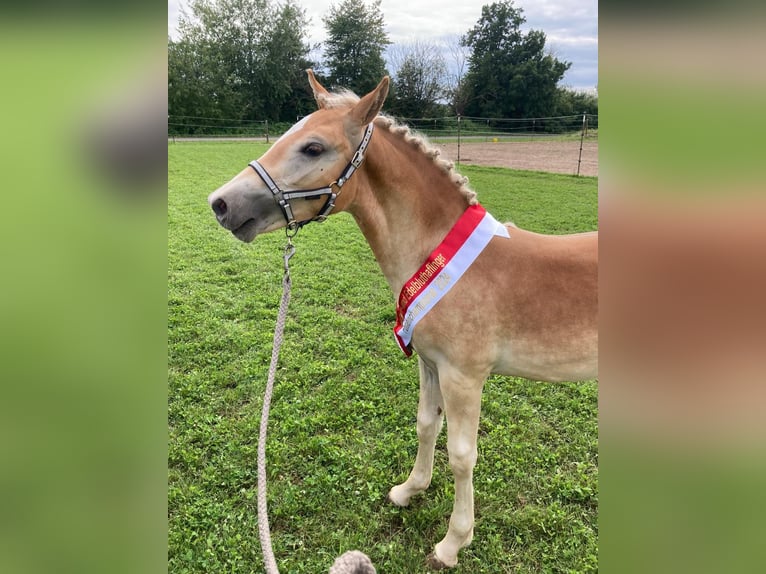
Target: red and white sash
443,268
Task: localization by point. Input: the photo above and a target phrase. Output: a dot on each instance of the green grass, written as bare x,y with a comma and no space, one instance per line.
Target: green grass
342,426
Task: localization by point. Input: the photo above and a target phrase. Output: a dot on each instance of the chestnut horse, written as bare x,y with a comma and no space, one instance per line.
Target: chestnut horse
523,304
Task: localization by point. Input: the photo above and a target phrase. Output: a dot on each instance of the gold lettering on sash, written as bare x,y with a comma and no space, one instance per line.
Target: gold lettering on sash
419,281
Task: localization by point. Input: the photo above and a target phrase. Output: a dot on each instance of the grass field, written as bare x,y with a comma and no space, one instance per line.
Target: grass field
342,427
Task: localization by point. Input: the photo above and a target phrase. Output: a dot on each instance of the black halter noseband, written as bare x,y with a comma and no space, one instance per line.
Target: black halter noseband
331,191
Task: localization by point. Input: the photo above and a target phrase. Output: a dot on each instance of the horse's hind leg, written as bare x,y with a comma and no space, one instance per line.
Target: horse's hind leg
430,419
462,400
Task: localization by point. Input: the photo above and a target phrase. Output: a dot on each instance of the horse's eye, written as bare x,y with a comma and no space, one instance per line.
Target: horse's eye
313,149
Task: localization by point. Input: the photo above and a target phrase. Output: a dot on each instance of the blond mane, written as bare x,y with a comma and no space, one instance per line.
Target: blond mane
339,99
347,98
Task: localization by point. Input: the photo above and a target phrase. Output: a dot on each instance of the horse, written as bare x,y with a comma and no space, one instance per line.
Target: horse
519,303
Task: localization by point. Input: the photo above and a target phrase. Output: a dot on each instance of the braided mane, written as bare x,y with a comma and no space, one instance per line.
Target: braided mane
346,98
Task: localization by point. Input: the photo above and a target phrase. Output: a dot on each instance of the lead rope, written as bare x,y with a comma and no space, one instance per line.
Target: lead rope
353,561
263,518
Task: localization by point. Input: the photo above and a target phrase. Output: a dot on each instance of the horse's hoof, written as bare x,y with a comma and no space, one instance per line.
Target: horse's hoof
393,499
433,562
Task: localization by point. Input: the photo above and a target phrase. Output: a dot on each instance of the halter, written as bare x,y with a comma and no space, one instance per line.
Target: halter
332,191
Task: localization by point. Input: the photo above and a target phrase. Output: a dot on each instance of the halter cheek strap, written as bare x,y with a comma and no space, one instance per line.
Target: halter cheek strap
332,190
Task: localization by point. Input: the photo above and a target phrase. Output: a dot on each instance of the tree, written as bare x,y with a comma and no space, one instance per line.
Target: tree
419,81
572,102
286,65
356,39
510,74
459,54
238,60
187,80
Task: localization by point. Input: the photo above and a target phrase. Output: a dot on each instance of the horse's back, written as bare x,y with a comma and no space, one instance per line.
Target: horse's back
551,309
583,245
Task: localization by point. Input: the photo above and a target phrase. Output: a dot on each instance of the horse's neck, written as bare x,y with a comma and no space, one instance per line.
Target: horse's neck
405,205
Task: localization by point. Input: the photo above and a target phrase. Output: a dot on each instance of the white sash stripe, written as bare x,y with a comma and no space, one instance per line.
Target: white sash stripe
447,278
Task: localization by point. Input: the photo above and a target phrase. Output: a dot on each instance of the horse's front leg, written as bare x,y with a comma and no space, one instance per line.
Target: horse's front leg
462,399
430,419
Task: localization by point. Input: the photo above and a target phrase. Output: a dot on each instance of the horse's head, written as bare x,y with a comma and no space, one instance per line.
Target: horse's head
298,178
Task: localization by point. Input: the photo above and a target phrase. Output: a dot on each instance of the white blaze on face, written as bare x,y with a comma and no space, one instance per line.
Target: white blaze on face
278,172
295,127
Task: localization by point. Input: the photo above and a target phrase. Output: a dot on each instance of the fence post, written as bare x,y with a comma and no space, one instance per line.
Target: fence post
458,139
582,136
267,131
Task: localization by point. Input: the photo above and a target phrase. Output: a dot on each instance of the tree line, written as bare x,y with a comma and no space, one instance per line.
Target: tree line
237,62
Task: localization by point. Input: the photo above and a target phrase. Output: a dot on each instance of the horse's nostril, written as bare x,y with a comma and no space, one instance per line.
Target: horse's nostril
219,207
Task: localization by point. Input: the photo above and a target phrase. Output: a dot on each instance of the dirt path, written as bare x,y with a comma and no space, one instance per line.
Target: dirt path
556,157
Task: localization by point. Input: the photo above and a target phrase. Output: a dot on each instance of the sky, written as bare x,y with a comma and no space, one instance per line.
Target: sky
571,26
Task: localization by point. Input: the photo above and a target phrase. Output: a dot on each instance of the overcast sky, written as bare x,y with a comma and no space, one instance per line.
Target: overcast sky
571,26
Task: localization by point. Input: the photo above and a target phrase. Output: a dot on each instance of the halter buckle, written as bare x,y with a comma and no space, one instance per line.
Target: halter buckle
358,158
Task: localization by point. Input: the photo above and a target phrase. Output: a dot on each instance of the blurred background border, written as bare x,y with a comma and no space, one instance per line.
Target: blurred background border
83,306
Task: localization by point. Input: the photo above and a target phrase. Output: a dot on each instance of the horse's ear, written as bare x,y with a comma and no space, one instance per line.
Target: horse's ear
369,106
320,93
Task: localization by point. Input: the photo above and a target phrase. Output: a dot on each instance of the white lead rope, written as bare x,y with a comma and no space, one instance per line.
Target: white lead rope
263,518
352,562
